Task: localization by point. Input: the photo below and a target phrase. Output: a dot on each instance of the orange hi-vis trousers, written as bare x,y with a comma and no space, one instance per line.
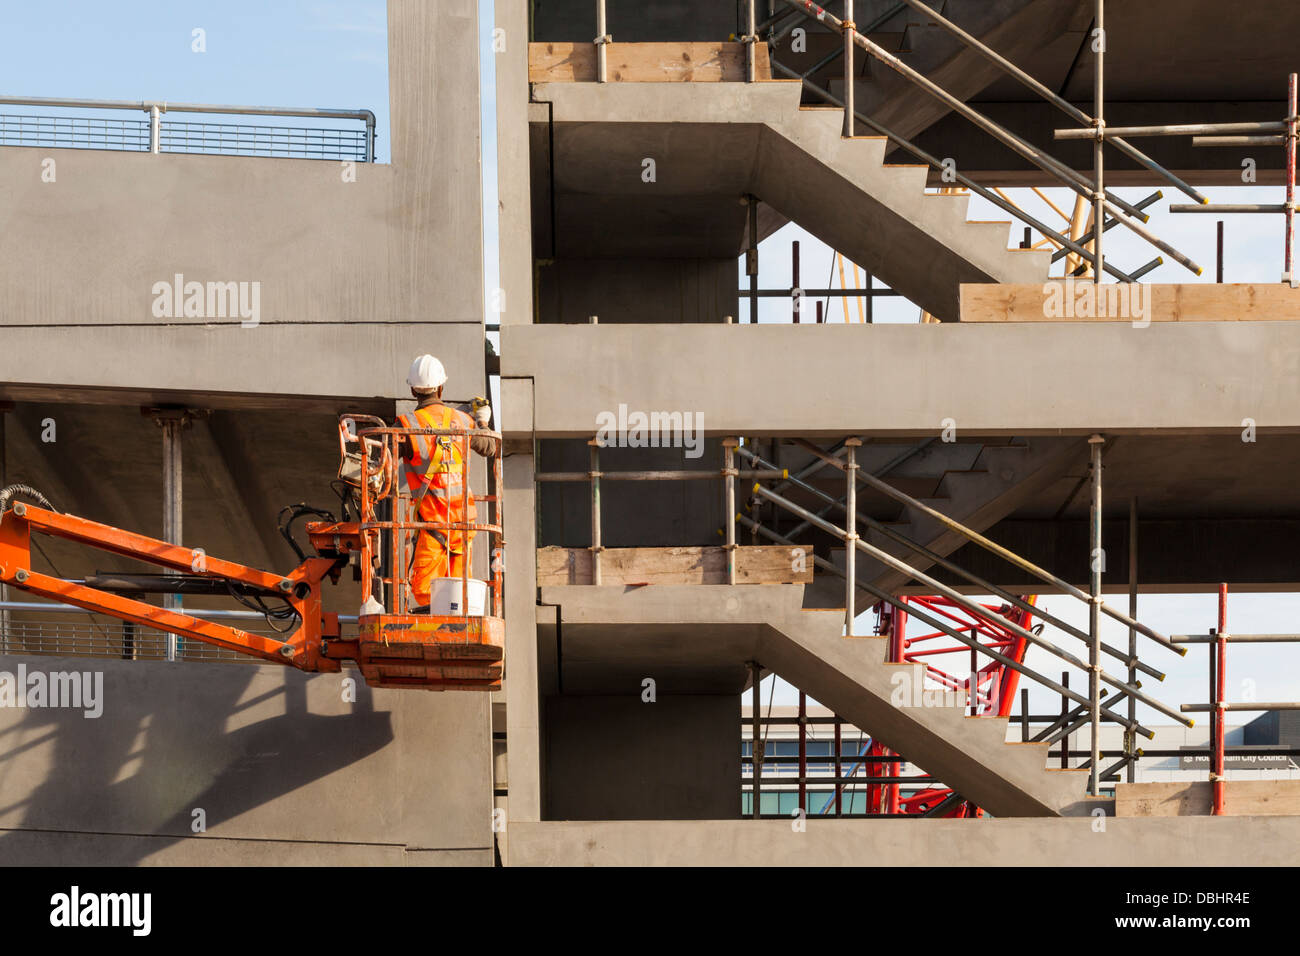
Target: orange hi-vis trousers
432,560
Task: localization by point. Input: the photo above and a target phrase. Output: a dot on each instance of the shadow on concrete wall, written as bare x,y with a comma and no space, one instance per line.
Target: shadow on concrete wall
162,749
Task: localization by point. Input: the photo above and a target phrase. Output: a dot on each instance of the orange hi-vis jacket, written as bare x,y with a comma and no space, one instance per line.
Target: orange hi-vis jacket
434,470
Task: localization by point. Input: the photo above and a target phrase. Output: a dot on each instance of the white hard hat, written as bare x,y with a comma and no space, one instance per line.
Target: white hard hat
426,372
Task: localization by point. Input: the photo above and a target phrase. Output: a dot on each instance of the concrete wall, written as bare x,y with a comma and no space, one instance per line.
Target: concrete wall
401,245
641,21
634,513
619,758
637,290
268,753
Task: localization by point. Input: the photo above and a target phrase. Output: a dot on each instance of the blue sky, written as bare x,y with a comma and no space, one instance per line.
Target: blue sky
289,53
333,53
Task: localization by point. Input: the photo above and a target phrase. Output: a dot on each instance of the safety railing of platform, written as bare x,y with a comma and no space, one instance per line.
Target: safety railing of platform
1218,641
391,518
156,135
594,477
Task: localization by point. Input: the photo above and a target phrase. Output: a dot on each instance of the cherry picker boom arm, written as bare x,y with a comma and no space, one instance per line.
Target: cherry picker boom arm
451,648
300,588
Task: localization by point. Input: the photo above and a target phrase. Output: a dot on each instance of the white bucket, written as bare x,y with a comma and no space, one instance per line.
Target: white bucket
445,597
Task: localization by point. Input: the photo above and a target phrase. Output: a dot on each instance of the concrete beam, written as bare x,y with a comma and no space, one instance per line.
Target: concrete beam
225,366
1170,841
990,379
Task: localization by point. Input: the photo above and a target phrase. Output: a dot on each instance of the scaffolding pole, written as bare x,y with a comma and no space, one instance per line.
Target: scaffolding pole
1289,275
849,29
1220,652
1099,172
1095,564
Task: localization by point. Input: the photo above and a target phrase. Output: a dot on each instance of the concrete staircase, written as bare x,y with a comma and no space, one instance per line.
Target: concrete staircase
760,140
850,675
1014,28
881,216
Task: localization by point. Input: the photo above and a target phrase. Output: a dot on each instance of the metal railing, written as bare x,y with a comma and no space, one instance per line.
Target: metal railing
79,633
1128,686
1090,710
1108,209
156,135
823,774
595,476
1277,133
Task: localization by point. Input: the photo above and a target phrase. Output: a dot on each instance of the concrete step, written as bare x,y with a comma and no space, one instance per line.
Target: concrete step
934,731
881,217
1014,28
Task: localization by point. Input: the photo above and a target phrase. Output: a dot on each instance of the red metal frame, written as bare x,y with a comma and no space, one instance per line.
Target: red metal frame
994,685
396,649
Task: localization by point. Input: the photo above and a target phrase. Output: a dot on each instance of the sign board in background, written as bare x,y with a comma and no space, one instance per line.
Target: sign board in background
1231,761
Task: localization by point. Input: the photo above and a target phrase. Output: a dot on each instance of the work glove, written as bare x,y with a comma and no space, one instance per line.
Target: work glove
482,412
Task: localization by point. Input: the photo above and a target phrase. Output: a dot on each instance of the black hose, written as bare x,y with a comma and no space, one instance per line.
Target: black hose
295,513
27,491
254,602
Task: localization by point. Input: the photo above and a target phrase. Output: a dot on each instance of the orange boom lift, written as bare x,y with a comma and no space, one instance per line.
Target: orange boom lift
393,648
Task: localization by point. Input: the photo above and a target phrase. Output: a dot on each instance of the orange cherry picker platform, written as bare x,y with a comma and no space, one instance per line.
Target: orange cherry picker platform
450,648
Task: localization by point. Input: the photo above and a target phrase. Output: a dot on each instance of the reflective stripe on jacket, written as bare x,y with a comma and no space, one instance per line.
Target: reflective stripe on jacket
436,460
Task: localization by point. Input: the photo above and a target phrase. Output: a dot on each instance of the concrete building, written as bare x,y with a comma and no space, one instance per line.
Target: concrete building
632,627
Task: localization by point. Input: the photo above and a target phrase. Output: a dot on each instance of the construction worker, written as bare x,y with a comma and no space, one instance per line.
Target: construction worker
433,477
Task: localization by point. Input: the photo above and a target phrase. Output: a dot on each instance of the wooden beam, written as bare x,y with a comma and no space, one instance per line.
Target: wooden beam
1080,301
645,62
1243,798
625,566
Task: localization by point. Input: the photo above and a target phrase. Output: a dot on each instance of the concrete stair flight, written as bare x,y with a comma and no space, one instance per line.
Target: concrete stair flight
881,216
889,700
768,624
1016,29
795,160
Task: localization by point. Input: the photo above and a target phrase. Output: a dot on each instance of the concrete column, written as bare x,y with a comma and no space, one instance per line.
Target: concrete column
514,181
172,421
523,719
173,509
523,705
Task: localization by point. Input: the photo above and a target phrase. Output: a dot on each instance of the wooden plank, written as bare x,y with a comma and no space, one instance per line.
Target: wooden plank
1079,301
754,565
645,63
1242,798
